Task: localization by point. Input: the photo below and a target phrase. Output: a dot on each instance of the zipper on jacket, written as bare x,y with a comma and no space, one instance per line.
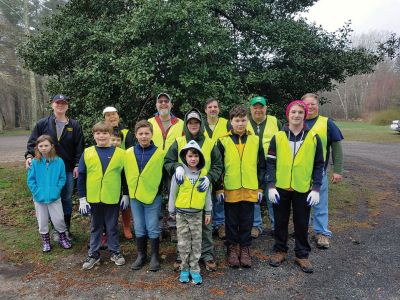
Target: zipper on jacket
140,172
294,156
191,194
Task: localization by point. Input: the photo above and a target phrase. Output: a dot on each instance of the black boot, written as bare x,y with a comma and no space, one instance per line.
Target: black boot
67,219
141,246
154,262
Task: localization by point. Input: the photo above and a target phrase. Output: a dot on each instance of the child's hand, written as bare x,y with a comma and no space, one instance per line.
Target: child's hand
207,219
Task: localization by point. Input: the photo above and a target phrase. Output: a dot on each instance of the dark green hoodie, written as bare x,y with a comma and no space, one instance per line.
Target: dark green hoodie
171,158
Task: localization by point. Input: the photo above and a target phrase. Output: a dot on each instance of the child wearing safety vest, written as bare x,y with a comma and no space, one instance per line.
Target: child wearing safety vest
243,183
99,188
143,170
294,167
186,204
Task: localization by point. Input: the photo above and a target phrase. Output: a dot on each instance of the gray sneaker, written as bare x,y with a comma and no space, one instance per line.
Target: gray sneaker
118,259
90,262
55,236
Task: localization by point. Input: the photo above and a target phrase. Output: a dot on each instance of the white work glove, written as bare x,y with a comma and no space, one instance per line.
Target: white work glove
179,175
273,195
124,202
313,198
259,197
204,184
220,197
84,207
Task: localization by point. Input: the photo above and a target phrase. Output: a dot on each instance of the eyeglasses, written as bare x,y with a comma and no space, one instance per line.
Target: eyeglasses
163,101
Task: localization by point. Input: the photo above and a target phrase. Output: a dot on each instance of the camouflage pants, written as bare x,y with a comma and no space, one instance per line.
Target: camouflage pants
188,229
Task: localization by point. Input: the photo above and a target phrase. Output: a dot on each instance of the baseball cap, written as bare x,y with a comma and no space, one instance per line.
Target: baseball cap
258,100
109,109
60,97
163,94
193,115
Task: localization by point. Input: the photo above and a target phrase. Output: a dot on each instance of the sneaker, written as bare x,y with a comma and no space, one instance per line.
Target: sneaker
221,232
118,259
196,278
277,259
90,262
211,266
177,265
55,236
304,264
322,241
173,235
255,232
184,276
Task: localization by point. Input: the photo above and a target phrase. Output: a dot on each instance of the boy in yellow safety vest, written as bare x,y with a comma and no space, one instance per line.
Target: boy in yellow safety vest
99,188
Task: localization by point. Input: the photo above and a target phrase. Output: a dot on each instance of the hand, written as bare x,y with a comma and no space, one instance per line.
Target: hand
207,219
124,202
220,197
313,198
259,197
336,178
179,175
75,172
273,196
28,163
204,184
84,207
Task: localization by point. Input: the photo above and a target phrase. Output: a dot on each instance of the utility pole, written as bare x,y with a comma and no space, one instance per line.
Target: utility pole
32,78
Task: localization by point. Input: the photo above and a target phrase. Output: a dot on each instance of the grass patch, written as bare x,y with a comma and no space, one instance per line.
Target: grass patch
364,132
385,117
17,131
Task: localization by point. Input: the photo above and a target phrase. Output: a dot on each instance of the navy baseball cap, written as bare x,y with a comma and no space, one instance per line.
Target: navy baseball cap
60,97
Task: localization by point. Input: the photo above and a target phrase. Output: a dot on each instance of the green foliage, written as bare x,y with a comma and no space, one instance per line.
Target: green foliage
125,53
385,117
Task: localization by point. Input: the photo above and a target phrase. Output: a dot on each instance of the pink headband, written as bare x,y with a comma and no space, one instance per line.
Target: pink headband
299,103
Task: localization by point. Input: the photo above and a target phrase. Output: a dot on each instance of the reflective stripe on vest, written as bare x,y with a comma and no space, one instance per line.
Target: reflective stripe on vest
295,172
105,188
219,130
320,127
271,127
206,149
240,172
143,186
189,196
124,134
174,131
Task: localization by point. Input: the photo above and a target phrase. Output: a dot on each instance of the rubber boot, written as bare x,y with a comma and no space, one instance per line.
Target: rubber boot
126,222
141,246
46,242
64,242
154,262
67,219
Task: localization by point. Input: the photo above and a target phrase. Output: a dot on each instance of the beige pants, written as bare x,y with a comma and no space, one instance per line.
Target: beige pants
56,213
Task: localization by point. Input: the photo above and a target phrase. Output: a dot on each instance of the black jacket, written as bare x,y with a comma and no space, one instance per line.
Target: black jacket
69,147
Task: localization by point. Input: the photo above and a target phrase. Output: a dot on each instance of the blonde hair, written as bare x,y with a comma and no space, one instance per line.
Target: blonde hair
102,127
52,154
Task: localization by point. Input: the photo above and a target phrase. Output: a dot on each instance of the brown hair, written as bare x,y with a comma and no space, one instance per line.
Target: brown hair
102,127
52,154
238,111
209,100
309,95
143,124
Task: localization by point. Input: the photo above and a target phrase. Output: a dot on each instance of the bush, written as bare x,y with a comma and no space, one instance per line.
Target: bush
385,117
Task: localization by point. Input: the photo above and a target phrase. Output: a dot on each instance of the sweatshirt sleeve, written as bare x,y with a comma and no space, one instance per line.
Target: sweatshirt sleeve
271,164
171,159
30,147
79,144
208,205
81,184
215,171
261,167
219,184
31,179
318,166
337,157
172,192
63,178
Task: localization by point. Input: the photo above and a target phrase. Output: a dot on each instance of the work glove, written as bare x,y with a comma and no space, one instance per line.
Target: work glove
220,197
313,198
179,175
273,196
84,207
204,184
124,202
259,197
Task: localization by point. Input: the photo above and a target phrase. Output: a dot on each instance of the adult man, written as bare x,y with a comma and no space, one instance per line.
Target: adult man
265,126
68,140
194,130
111,117
215,127
331,137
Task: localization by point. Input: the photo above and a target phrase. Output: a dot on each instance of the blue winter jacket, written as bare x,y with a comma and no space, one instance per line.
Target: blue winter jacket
46,182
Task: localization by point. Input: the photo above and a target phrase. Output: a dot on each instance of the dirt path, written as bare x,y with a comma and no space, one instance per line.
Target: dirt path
12,148
363,262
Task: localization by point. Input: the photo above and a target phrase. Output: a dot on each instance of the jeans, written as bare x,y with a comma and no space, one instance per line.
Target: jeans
257,220
66,194
146,217
218,213
320,211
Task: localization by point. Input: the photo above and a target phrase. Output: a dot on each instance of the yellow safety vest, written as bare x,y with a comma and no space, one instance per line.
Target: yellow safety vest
219,130
206,149
295,172
320,127
189,196
174,131
124,133
143,186
240,172
271,127
105,188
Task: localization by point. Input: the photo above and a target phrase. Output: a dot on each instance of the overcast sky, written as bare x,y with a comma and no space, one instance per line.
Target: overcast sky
365,15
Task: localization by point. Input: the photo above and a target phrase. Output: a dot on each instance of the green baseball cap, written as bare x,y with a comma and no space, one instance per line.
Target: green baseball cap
258,100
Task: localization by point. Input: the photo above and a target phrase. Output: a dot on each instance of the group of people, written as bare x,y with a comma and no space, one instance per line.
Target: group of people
216,173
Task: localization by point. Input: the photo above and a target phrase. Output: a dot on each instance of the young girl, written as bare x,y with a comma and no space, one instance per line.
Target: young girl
46,178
